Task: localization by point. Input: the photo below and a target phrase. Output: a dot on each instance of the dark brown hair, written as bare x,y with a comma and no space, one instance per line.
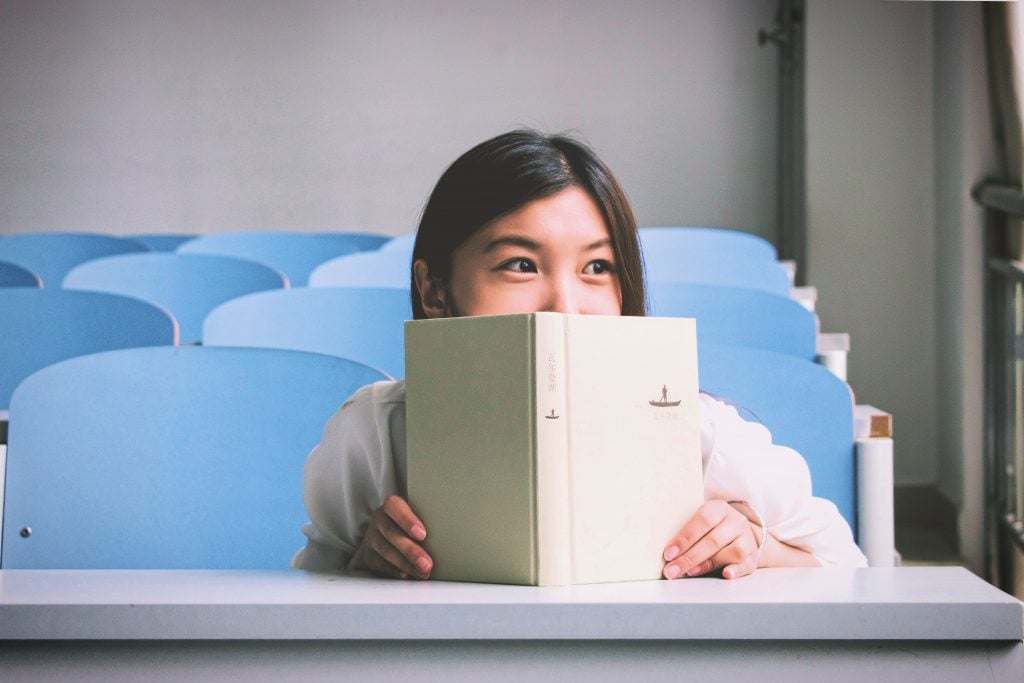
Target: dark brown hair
505,173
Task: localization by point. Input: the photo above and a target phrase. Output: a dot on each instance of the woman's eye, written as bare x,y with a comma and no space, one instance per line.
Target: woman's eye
519,265
599,267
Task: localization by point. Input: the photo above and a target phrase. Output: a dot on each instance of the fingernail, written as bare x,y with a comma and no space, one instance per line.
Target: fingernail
418,532
694,571
671,554
671,571
423,564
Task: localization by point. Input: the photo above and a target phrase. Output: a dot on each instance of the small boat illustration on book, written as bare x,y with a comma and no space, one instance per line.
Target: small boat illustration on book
663,402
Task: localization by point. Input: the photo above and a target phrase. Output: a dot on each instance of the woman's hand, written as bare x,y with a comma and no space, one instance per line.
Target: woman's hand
391,546
718,536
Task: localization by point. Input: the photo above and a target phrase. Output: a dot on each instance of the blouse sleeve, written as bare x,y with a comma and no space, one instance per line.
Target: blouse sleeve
348,476
742,463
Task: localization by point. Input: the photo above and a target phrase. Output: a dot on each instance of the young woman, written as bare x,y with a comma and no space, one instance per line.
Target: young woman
521,223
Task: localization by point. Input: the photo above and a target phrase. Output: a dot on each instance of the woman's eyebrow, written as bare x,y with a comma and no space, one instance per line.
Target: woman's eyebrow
526,243
512,241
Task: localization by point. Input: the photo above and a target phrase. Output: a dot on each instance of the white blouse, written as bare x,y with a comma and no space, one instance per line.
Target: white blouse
361,461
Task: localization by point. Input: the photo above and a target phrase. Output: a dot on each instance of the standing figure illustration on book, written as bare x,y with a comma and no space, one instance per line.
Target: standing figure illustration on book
664,402
527,223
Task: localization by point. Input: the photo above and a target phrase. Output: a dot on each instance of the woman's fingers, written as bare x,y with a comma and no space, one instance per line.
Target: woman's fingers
401,514
722,545
384,554
680,551
414,559
410,526
742,568
388,547
716,536
380,560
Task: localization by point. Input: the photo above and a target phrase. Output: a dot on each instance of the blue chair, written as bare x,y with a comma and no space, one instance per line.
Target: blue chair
295,254
363,324
187,285
43,326
712,268
13,275
804,406
392,269
364,241
50,255
738,316
720,240
167,458
401,243
163,241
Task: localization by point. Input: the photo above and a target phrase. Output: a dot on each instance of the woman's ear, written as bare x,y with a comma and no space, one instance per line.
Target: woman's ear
430,290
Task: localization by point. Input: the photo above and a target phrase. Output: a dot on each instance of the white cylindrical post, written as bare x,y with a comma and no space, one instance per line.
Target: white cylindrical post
875,516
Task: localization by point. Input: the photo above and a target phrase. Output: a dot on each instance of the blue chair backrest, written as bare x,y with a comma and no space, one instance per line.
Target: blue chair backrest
804,406
43,326
167,458
712,268
163,241
721,240
13,275
364,241
50,255
187,285
295,254
371,269
401,243
364,324
743,317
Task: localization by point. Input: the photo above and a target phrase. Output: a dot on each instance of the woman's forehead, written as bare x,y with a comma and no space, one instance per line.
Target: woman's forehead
567,218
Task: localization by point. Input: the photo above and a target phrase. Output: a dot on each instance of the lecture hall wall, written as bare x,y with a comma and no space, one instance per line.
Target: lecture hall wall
119,116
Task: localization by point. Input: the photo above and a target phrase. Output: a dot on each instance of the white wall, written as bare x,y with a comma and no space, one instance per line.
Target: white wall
899,130
965,154
170,115
870,208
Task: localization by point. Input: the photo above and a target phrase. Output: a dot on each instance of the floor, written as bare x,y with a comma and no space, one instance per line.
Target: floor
925,527
925,546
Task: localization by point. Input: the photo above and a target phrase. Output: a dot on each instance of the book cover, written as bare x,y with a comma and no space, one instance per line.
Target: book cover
552,449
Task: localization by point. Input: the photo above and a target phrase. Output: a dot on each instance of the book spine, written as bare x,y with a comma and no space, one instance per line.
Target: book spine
553,500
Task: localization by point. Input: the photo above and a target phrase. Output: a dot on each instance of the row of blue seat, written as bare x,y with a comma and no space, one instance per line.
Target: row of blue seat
678,256
191,457
365,324
704,255
51,255
190,285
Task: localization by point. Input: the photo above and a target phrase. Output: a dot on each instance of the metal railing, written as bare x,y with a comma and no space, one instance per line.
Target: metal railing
1004,377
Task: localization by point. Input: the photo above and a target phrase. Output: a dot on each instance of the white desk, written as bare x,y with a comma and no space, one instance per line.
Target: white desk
873,624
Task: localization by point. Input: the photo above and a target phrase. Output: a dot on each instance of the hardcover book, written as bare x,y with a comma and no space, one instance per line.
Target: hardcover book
552,449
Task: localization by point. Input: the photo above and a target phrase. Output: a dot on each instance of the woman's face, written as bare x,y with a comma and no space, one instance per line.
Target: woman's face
553,254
